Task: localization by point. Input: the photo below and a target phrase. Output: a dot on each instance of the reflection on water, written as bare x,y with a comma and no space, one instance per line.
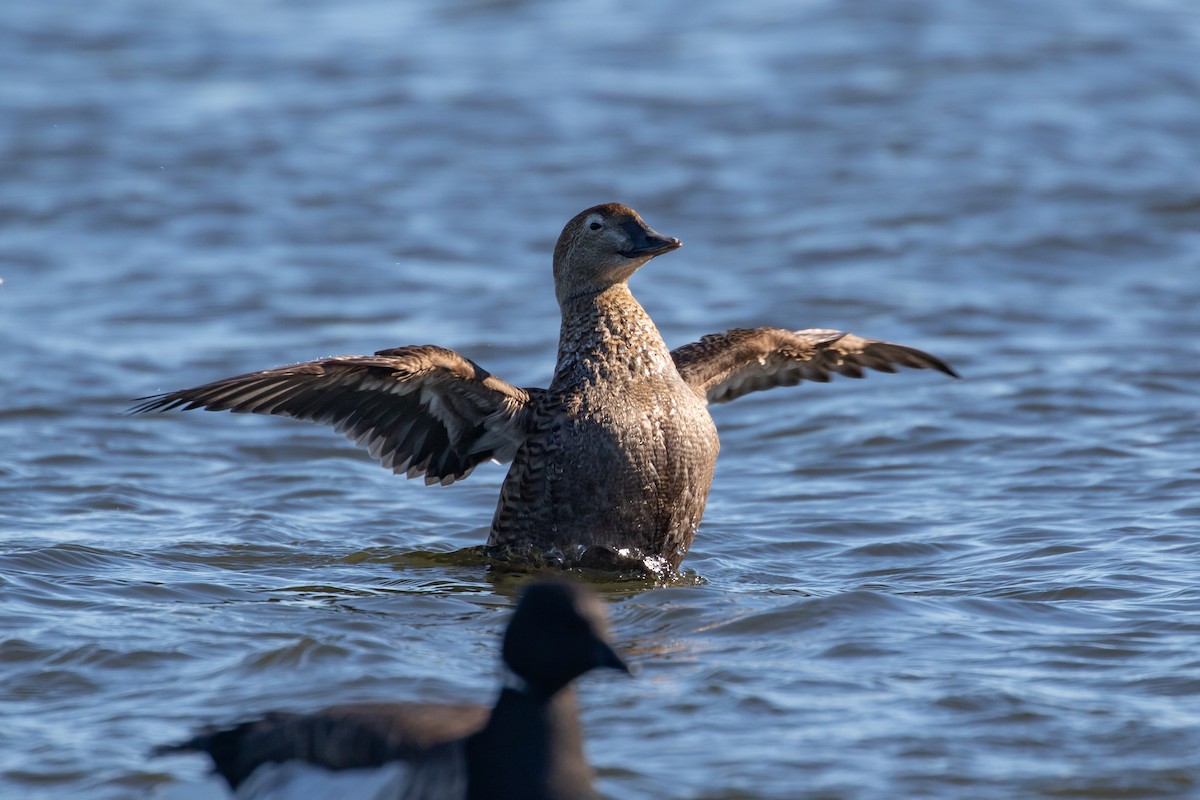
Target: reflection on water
902,587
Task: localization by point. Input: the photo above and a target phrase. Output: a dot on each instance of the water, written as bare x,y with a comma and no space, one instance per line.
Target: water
904,587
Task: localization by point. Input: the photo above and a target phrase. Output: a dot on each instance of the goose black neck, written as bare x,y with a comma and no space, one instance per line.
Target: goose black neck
530,749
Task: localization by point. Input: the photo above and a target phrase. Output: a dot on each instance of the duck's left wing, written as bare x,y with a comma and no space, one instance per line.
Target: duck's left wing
724,366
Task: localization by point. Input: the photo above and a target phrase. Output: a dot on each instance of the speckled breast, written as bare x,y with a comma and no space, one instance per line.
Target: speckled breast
624,472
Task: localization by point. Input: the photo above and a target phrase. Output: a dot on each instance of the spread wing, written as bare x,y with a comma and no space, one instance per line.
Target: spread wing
340,738
724,366
422,410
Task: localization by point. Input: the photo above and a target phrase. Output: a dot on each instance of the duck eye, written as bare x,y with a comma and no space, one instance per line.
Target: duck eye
595,226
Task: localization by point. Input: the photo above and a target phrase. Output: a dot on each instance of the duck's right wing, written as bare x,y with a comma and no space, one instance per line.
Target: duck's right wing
421,410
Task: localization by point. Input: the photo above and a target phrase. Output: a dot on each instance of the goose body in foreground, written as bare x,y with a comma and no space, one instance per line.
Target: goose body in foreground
529,746
612,463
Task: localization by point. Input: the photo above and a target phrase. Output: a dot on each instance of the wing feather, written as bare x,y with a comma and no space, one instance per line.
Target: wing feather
725,366
339,738
421,410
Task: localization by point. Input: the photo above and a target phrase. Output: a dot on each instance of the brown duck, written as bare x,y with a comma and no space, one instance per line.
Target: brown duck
612,463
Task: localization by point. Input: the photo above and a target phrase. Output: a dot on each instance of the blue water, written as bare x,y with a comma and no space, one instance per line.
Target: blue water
904,587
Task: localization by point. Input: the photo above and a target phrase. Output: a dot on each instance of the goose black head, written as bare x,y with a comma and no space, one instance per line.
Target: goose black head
558,632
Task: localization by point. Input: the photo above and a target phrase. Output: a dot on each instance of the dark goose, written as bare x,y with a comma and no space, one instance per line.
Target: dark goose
611,464
529,745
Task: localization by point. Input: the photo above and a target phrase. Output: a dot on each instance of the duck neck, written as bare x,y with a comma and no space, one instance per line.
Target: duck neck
531,748
607,336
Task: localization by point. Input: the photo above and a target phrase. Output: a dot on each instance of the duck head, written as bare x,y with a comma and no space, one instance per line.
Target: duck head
603,246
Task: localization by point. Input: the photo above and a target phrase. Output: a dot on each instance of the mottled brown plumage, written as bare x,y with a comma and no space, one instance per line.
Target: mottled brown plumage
422,410
612,463
727,365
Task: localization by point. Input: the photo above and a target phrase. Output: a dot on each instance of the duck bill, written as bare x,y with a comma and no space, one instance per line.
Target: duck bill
647,242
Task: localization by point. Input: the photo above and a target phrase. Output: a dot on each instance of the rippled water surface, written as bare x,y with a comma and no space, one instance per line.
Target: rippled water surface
904,587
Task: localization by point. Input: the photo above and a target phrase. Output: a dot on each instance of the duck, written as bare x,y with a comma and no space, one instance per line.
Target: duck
528,745
610,465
